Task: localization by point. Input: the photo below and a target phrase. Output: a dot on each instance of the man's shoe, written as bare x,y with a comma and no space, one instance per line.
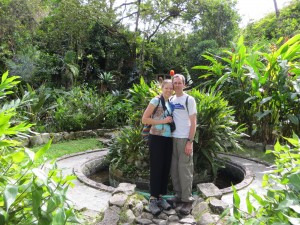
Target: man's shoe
186,208
163,204
174,201
153,207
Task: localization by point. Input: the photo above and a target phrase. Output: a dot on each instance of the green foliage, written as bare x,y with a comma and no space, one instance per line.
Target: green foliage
217,130
140,96
28,195
281,204
107,81
129,154
79,109
271,28
83,109
262,86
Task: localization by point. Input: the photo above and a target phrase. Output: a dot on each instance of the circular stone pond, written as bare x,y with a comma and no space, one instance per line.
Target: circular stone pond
95,173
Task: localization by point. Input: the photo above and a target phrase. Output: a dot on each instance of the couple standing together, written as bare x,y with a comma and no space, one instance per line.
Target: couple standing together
171,152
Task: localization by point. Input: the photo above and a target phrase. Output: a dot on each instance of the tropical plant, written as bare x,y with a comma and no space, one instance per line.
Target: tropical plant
107,81
281,204
217,130
80,109
28,195
140,96
263,86
128,154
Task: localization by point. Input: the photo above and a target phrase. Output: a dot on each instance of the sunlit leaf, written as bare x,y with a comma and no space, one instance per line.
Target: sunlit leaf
10,194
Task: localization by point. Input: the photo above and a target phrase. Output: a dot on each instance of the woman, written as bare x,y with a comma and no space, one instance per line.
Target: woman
160,145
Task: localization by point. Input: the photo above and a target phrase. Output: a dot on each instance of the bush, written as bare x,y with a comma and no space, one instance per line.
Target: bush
129,153
80,109
281,204
28,195
217,130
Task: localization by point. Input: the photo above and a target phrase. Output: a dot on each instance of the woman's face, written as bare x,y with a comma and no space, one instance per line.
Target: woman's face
167,90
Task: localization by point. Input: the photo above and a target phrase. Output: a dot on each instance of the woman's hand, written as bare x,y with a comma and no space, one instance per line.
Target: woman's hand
168,119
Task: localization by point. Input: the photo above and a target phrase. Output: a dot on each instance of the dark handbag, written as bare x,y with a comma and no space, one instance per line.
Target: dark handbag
172,126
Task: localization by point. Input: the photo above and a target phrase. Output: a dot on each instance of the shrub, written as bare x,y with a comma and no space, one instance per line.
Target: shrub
217,130
262,84
129,154
281,204
80,109
28,195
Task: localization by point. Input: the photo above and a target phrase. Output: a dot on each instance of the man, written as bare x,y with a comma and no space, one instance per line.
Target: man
182,166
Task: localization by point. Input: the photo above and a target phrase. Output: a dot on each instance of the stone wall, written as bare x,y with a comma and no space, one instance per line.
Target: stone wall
43,138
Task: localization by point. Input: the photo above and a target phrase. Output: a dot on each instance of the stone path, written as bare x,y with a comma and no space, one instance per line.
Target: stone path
86,199
92,201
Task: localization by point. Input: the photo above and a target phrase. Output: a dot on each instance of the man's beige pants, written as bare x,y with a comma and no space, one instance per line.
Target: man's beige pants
182,168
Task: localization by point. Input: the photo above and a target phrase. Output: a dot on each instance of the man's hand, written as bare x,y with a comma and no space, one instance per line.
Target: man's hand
188,148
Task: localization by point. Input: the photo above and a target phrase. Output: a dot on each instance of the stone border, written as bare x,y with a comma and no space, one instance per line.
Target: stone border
88,167
83,170
248,177
43,138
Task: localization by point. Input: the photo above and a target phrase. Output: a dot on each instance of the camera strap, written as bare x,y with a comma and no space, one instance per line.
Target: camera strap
164,105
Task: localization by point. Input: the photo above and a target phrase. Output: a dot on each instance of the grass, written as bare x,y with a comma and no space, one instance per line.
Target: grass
69,147
255,154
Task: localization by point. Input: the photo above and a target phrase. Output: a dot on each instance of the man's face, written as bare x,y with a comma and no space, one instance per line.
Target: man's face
178,84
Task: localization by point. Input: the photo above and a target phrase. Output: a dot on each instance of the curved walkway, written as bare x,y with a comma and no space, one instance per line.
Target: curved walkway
88,200
92,201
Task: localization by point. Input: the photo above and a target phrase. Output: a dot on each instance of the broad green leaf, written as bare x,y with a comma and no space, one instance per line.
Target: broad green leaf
30,154
40,174
293,220
277,146
37,196
295,180
18,156
261,115
236,204
59,217
42,150
72,218
45,219
249,204
294,119
292,141
10,194
258,198
51,205
296,208
4,76
3,216
265,100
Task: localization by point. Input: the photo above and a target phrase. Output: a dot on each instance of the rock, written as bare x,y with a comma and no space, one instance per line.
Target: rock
118,199
110,218
217,206
173,218
45,137
189,219
130,217
143,221
125,188
200,208
206,219
138,208
36,140
209,190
